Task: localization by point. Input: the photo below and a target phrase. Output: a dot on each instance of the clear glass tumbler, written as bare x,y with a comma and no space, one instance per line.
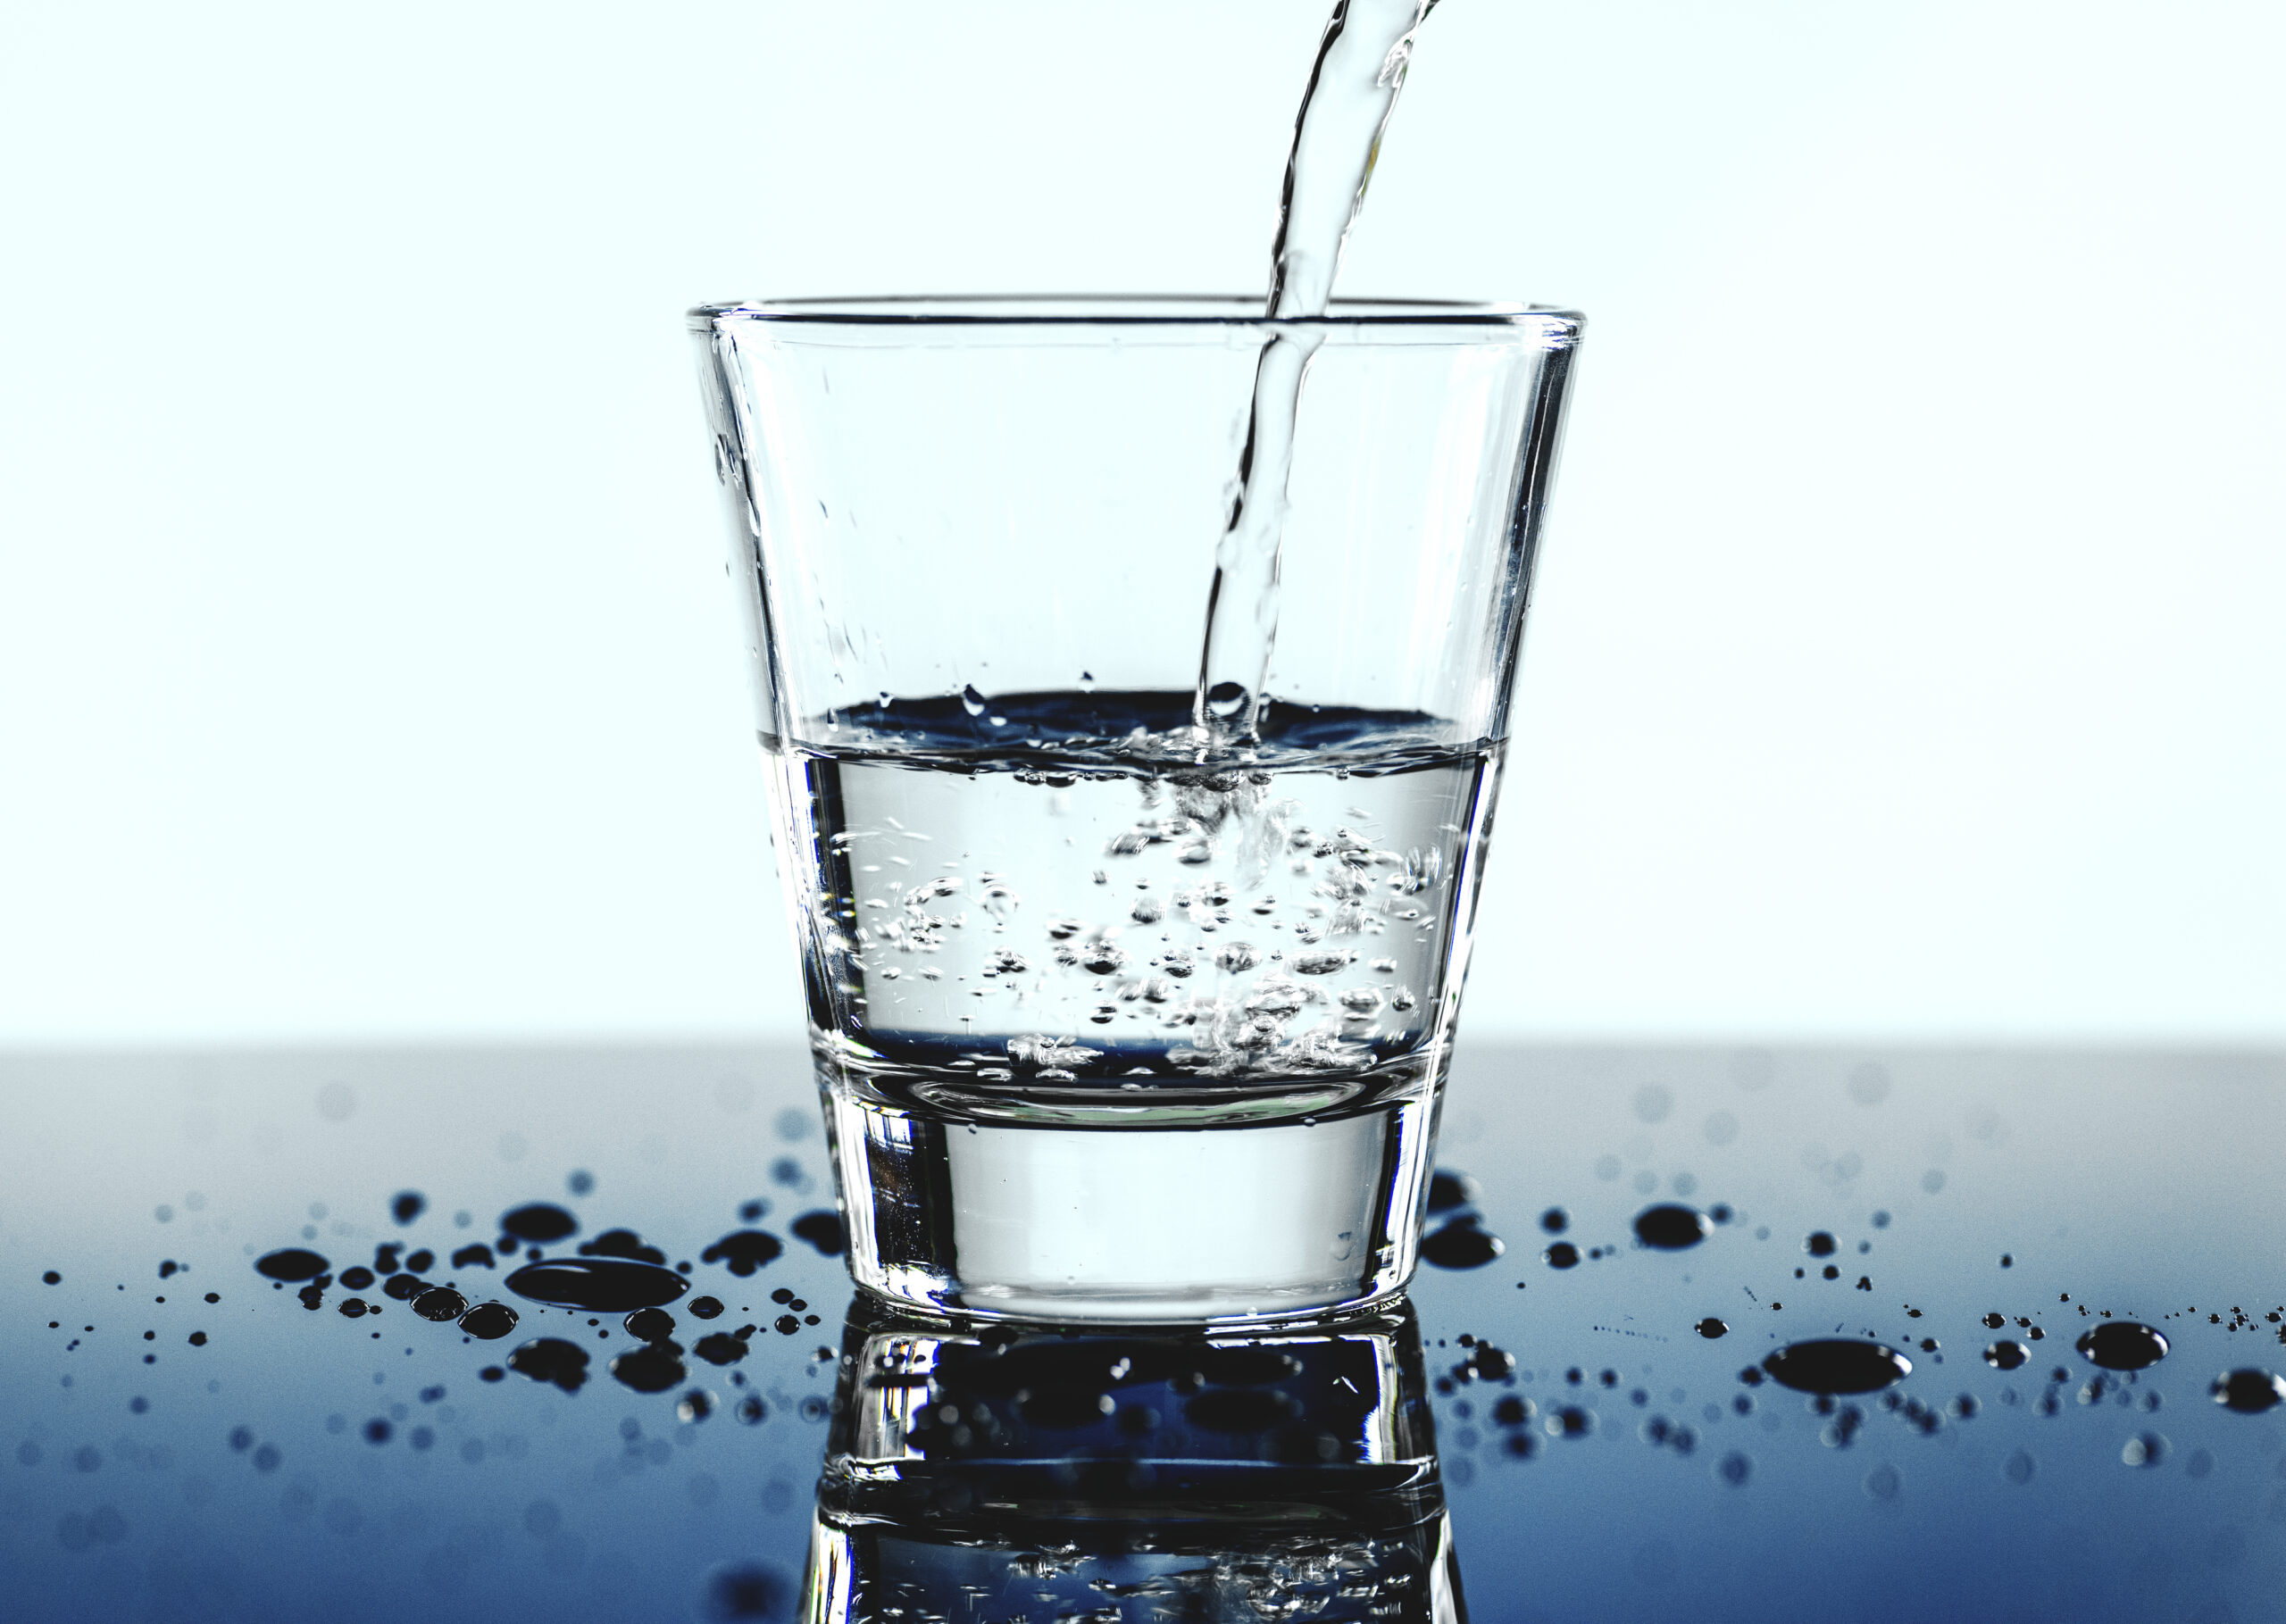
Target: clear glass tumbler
1118,1016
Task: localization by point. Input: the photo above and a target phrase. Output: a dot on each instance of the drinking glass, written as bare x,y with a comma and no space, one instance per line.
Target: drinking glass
1125,1007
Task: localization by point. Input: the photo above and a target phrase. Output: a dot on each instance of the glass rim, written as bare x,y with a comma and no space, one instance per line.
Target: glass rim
1207,313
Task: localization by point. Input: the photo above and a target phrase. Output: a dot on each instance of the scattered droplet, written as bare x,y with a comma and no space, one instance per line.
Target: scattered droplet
650,1324
1819,1244
2006,1355
823,1230
1837,1365
2122,1344
539,1222
487,1321
743,1250
1449,1189
1671,1226
650,1369
1556,1221
1564,1254
2144,1449
2249,1391
1570,1421
602,1285
552,1358
408,1205
625,1243
1711,1327
291,1264
1460,1244
440,1303
720,1347
743,1591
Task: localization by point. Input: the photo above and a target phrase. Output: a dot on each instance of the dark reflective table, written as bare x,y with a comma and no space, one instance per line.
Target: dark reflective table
1718,1334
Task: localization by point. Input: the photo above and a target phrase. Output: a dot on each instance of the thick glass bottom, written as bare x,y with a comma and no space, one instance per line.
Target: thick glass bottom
1138,1207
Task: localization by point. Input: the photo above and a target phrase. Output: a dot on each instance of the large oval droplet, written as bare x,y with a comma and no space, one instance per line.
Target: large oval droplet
601,1286
2249,1392
1671,1226
541,1221
291,1264
1460,1244
1837,1364
2122,1344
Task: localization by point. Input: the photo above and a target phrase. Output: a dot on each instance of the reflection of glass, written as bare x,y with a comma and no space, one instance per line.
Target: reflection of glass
1118,1014
1005,1472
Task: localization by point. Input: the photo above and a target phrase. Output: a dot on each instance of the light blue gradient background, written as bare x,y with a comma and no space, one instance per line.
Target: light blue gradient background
1905,665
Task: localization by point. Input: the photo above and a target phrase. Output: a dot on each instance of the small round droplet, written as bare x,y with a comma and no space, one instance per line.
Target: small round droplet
1564,1254
2122,1344
2006,1355
972,702
2249,1391
1556,1221
1819,1244
1711,1327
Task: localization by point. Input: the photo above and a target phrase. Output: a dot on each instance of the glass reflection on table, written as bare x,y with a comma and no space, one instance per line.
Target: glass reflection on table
992,1471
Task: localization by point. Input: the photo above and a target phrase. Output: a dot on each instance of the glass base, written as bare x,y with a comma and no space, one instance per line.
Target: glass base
1225,1204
